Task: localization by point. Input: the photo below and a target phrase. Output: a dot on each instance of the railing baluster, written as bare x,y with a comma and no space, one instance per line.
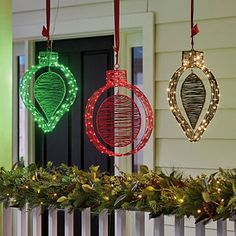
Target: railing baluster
148,225
139,223
235,228
103,223
52,222
22,222
159,226
221,228
7,221
86,222
69,223
120,223
179,227
37,222
200,229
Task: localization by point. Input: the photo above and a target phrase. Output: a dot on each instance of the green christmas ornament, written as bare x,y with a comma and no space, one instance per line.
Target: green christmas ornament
48,90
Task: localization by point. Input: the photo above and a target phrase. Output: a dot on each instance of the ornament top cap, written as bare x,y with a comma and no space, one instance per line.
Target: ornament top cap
192,58
48,58
116,75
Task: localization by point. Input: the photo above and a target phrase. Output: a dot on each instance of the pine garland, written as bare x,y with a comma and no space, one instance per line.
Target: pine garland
204,197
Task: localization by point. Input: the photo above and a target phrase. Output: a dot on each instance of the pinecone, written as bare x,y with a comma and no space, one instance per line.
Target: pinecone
154,182
180,184
210,208
70,187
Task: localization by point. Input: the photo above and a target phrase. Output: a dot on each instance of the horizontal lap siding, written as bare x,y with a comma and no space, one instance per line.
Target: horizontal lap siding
208,153
76,12
25,5
176,11
214,34
217,38
71,19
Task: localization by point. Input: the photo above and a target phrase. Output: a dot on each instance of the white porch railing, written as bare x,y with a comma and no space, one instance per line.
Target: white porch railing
160,226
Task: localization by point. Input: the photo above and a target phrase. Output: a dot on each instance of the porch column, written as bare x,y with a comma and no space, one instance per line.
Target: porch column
5,87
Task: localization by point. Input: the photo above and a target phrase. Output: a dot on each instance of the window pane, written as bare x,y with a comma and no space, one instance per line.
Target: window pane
137,80
22,112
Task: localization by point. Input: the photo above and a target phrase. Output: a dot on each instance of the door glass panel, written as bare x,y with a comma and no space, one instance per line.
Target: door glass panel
22,142
137,80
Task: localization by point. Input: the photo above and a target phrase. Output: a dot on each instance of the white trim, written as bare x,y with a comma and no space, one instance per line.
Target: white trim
87,27
29,61
18,50
149,85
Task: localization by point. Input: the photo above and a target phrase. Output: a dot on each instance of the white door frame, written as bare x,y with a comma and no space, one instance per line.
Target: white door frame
142,22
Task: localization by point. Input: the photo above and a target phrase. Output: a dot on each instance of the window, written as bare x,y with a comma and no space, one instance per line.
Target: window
22,119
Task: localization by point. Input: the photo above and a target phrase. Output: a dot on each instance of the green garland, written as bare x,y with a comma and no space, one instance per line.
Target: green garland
204,197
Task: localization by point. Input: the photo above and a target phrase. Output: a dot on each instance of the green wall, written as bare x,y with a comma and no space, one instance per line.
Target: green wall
5,83
5,86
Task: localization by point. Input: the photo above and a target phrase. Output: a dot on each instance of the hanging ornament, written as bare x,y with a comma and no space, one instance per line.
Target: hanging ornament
53,90
122,123
48,89
193,92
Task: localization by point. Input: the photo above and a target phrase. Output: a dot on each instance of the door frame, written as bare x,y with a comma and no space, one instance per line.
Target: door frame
142,22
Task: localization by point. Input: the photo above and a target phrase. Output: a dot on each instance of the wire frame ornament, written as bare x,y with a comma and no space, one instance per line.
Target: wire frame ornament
48,90
118,120
193,95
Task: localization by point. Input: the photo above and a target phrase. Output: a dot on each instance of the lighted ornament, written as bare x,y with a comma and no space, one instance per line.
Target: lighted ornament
193,96
119,125
54,90
118,120
193,92
48,89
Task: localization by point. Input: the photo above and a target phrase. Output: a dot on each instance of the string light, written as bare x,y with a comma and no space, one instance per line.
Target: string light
54,177
106,198
181,200
193,93
193,59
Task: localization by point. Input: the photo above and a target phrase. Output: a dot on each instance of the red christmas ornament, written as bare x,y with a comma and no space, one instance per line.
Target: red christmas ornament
116,126
118,120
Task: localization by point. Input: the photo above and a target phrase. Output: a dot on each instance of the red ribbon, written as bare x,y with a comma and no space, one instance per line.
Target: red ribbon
46,30
194,28
117,29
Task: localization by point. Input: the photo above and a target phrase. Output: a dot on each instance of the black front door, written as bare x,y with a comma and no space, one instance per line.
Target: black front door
88,59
